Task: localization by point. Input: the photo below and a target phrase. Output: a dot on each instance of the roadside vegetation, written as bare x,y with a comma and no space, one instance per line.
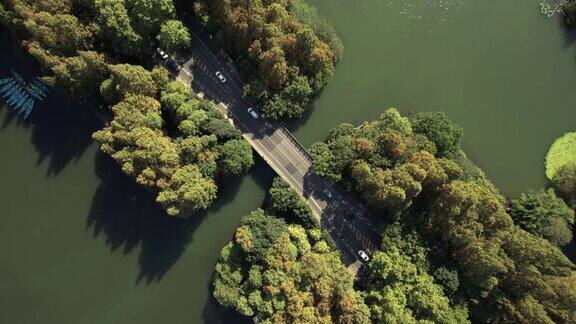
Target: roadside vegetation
169,141
448,229
279,269
284,50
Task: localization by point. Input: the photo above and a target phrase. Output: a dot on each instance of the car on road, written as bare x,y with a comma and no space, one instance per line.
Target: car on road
363,256
327,193
174,65
162,54
220,76
252,113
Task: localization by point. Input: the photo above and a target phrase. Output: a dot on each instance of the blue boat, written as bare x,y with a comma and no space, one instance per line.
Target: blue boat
15,97
38,90
20,102
8,86
12,90
28,109
18,77
34,93
22,108
39,83
20,95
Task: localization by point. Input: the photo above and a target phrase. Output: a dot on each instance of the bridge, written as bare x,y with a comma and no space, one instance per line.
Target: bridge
341,216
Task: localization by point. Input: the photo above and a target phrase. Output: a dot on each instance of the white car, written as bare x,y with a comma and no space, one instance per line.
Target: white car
162,54
252,112
220,76
363,256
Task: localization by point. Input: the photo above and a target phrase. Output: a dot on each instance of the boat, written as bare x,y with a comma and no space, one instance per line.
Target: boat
39,83
38,90
18,77
15,97
20,102
8,86
34,93
22,108
12,90
28,109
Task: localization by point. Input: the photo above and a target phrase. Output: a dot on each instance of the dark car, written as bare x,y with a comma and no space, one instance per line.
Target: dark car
174,65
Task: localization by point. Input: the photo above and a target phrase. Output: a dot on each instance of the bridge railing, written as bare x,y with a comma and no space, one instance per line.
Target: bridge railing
295,141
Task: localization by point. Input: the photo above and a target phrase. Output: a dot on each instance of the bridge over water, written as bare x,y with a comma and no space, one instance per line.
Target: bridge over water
344,218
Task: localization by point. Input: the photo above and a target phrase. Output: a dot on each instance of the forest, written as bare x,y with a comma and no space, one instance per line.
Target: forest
278,268
179,146
285,51
443,220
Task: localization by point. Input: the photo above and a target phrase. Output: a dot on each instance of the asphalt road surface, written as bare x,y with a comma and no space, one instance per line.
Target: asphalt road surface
340,215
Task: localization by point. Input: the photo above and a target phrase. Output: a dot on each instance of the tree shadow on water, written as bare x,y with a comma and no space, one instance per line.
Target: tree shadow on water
61,129
129,217
131,220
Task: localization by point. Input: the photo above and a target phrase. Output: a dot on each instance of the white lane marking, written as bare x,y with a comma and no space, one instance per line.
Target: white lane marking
272,155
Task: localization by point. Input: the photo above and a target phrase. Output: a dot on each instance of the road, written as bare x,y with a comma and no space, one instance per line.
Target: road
341,216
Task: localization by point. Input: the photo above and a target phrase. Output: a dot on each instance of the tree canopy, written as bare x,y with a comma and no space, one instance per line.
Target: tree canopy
562,152
283,273
283,48
544,214
414,172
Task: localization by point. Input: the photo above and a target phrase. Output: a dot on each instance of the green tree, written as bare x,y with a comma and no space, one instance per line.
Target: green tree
112,24
285,202
188,191
273,272
173,36
440,130
81,76
235,157
148,15
544,214
400,289
562,152
564,182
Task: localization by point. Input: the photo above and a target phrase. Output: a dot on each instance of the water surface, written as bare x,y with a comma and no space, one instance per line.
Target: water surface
498,68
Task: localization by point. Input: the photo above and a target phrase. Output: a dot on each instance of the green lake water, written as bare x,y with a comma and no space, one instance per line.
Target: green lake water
81,243
498,68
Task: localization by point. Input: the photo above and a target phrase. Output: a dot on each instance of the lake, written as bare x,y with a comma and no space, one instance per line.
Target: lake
82,243
499,69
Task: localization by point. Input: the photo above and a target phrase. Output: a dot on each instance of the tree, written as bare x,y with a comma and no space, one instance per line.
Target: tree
61,33
562,152
112,24
506,269
132,79
148,15
188,191
275,273
564,182
173,36
81,76
544,214
440,130
235,157
400,289
286,203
